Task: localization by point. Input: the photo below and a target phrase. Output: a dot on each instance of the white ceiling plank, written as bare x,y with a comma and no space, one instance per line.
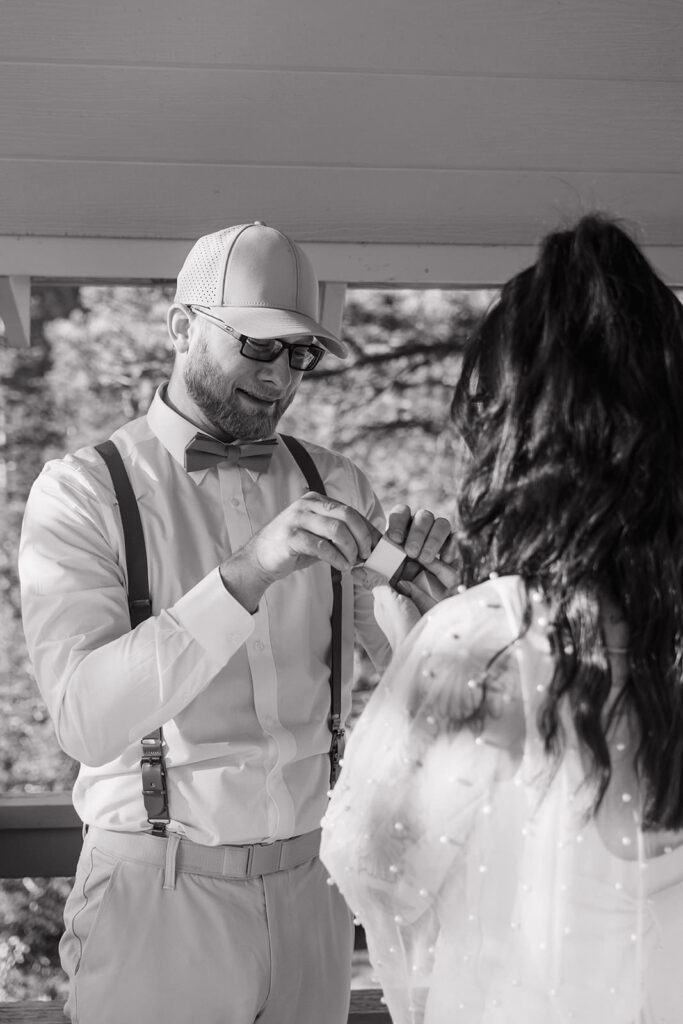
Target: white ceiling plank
582,38
311,119
340,205
15,309
336,263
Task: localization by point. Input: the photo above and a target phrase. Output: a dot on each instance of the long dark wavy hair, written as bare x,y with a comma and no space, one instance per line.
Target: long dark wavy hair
571,400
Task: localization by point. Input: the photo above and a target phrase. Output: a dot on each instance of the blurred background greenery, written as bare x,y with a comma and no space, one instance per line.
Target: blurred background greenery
97,356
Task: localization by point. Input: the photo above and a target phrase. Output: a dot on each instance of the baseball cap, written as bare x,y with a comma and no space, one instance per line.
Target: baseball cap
256,280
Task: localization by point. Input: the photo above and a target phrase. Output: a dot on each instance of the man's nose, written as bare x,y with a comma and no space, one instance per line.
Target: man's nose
278,369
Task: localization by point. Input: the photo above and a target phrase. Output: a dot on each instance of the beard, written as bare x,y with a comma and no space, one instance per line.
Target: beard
212,393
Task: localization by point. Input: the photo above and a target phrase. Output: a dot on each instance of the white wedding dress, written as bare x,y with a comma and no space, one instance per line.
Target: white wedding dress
487,892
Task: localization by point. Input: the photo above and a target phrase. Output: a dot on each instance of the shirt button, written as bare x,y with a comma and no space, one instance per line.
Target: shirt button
259,645
235,502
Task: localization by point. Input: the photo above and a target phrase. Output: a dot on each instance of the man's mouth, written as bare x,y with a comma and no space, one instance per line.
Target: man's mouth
259,400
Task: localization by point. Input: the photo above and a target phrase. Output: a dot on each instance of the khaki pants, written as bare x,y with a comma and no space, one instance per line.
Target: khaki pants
151,935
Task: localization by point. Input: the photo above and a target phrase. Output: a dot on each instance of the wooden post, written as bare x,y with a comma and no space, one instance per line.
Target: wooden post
332,298
15,309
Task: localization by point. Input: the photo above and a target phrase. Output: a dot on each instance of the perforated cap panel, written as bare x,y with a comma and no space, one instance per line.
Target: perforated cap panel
202,271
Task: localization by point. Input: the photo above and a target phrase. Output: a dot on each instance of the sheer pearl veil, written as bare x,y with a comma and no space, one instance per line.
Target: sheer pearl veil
487,891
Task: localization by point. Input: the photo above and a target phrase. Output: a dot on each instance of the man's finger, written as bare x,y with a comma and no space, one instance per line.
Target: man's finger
398,524
309,544
364,534
333,530
435,540
422,523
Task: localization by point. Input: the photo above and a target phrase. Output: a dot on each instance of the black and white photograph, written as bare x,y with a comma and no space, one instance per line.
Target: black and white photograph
341,463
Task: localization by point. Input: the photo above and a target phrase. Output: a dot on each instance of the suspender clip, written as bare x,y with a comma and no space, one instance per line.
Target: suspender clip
154,790
336,747
334,721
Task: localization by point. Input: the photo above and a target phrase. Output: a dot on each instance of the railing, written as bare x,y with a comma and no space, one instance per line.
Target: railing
40,836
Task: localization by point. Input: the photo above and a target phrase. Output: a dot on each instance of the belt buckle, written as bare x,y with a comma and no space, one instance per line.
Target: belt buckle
264,858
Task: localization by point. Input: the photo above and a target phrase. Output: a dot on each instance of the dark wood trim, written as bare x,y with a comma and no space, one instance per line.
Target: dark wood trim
40,835
38,810
365,1009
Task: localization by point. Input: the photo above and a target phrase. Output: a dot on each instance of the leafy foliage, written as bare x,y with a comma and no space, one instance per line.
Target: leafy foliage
98,355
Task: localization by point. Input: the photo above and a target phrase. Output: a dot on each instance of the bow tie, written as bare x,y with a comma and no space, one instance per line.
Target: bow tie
203,451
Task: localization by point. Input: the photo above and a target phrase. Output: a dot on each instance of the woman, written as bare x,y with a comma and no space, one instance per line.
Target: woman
509,821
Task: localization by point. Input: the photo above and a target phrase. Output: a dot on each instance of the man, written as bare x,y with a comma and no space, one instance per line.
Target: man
217,910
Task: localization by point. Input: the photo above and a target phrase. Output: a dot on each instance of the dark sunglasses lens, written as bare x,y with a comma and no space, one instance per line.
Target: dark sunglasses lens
305,358
301,357
262,351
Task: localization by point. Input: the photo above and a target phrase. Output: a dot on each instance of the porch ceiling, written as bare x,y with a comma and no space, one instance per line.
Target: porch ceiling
456,122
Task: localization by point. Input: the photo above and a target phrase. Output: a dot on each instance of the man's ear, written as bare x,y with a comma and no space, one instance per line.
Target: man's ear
178,321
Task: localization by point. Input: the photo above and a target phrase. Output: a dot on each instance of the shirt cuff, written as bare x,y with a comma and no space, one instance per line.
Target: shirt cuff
214,618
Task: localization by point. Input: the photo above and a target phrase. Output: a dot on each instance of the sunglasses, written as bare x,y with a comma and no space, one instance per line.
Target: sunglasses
266,350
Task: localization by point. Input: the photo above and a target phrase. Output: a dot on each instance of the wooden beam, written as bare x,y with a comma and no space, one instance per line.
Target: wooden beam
145,260
40,836
15,309
365,1009
364,264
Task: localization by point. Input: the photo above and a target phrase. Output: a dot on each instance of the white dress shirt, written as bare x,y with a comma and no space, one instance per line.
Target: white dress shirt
243,698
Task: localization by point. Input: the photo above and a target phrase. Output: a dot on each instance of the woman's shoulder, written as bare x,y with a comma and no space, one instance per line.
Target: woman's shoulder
500,603
501,619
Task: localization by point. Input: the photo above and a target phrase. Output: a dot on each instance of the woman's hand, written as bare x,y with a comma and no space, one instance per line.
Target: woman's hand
398,608
395,614
431,585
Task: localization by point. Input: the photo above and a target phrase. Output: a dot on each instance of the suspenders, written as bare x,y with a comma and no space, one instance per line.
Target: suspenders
154,783
314,481
152,766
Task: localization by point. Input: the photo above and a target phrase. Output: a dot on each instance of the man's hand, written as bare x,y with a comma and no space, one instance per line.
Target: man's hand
314,528
422,536
427,539
430,540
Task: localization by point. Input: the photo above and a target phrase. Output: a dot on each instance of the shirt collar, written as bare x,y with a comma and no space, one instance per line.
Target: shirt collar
175,432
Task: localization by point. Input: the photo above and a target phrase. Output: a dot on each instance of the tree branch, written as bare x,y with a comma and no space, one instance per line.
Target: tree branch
430,353
426,424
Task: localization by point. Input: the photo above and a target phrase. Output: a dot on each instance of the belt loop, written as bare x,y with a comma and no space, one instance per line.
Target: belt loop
171,852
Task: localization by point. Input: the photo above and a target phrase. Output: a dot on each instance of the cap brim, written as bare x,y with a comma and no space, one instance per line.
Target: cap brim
259,322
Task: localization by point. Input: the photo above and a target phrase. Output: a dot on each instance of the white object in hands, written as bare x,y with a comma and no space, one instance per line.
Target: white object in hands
386,559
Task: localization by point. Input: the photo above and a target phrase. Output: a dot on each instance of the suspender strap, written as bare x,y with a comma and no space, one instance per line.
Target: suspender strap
134,540
315,483
154,784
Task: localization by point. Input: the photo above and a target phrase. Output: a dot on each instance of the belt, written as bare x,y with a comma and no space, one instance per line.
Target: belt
247,861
